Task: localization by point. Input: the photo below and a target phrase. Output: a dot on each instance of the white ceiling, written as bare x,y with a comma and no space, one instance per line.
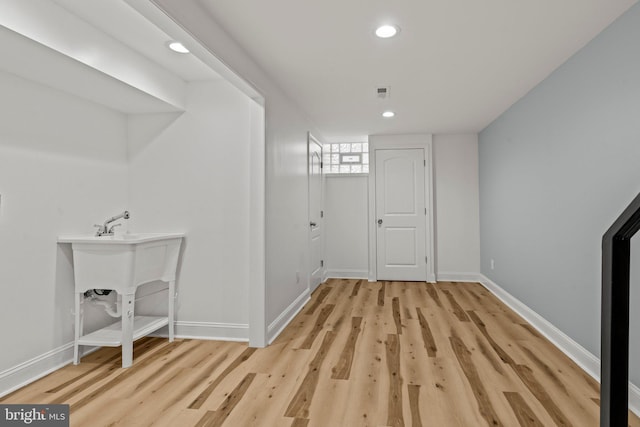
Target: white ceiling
23,57
103,51
120,21
455,67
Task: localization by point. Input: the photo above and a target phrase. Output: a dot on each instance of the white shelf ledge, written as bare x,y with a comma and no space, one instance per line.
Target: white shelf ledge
111,336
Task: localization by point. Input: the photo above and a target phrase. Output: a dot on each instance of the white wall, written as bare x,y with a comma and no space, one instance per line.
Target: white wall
62,168
457,206
347,234
193,177
457,235
287,209
286,167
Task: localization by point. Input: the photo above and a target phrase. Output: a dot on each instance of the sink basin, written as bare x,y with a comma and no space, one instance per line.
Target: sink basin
123,262
127,238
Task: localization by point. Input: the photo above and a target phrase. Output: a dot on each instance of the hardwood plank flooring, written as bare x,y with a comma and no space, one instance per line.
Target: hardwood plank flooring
359,354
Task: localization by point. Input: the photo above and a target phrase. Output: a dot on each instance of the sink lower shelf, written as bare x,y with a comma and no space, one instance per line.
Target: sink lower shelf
111,336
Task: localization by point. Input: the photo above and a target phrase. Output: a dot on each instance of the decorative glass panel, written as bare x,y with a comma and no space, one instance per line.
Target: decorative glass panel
346,158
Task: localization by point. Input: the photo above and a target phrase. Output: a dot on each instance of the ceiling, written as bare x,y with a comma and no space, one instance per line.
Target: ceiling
103,51
121,22
454,67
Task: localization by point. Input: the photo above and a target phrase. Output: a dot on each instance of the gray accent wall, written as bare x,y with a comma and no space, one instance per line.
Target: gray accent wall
556,169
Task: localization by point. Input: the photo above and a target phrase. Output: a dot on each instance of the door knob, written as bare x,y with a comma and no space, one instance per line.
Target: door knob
312,224
379,222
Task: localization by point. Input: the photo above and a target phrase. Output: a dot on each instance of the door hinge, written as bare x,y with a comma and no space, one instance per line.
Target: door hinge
321,263
425,211
321,214
425,162
426,260
321,165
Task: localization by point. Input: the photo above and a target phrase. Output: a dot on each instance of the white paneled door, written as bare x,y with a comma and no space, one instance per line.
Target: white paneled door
401,215
315,212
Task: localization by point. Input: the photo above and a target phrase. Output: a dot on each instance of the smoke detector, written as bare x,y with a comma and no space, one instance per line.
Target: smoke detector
383,92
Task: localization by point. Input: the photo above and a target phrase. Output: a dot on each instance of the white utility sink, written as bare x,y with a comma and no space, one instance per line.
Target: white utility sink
122,263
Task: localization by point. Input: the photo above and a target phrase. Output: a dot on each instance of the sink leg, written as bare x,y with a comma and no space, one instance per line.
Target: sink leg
172,305
78,326
127,329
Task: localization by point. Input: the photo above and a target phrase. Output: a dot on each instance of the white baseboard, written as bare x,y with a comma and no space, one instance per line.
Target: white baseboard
38,367
209,331
459,277
431,278
583,358
347,274
278,325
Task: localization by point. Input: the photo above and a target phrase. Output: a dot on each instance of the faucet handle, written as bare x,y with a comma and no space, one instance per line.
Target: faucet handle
101,230
112,227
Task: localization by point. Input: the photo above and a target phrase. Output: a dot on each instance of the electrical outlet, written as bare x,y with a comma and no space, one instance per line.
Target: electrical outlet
493,264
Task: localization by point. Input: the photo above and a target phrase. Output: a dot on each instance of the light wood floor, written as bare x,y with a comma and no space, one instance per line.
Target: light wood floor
358,354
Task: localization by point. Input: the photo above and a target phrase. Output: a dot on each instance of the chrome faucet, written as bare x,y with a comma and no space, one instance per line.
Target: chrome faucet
105,230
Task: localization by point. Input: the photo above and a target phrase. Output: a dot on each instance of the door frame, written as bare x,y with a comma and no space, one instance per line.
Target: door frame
323,270
399,142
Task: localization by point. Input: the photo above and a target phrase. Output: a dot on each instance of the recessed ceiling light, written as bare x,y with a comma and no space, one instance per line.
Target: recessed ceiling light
388,114
177,47
386,31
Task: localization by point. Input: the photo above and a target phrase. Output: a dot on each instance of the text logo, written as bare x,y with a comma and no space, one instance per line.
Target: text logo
34,415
